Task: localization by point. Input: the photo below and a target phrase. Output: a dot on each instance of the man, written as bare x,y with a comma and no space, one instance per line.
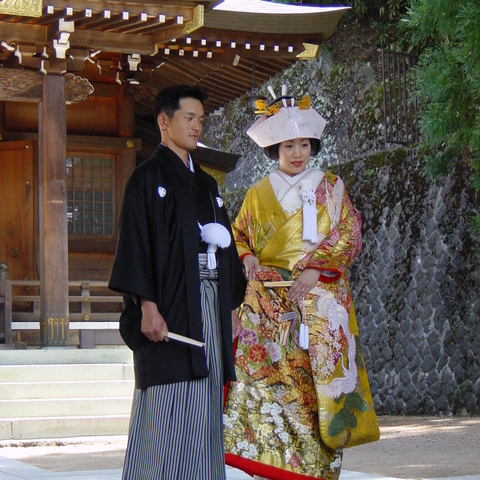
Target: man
174,282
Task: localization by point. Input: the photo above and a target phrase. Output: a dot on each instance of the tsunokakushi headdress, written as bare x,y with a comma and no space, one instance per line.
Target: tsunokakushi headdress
282,120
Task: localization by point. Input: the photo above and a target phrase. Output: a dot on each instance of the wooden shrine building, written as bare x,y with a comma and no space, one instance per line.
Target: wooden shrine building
77,86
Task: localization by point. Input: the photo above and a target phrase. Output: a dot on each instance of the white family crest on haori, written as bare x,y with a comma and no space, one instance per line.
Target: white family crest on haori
219,202
216,235
337,316
161,192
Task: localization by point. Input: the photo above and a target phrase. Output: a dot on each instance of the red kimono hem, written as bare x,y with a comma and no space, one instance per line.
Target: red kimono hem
252,467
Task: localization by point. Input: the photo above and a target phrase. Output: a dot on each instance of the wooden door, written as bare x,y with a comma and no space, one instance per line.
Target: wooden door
18,200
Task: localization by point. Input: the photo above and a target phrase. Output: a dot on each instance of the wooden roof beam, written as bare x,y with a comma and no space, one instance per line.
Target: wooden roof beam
222,80
96,19
245,67
213,84
180,72
135,7
112,42
214,96
27,34
219,57
48,17
202,76
112,23
140,22
216,101
167,33
199,69
157,23
240,38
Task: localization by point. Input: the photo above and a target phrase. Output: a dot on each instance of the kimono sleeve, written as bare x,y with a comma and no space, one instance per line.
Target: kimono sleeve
237,278
133,267
243,228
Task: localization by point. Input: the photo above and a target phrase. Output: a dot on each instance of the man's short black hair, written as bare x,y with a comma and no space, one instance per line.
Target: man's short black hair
168,99
272,150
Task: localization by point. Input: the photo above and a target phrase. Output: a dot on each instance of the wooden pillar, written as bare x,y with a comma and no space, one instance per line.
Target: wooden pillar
127,160
52,139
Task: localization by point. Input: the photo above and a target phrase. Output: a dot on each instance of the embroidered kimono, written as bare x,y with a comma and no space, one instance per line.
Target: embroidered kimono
292,411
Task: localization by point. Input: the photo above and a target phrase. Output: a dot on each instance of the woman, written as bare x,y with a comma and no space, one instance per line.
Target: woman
302,394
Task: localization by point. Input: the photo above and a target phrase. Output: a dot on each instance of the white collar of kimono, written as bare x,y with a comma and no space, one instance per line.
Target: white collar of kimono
299,191
287,189
190,163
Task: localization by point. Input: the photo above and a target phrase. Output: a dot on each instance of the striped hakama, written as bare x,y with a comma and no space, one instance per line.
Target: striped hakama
176,430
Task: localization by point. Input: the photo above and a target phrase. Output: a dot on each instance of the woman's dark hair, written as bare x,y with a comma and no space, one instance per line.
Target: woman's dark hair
168,99
272,150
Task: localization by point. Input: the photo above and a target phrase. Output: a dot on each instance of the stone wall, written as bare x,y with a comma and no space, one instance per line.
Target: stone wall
416,286
416,282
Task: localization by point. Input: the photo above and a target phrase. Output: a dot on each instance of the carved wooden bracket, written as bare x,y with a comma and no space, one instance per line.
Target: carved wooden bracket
26,86
140,92
21,85
78,88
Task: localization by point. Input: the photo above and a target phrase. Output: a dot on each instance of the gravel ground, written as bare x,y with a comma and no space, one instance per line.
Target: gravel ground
409,448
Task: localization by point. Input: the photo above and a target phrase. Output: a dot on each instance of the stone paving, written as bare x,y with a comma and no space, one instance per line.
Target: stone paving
410,448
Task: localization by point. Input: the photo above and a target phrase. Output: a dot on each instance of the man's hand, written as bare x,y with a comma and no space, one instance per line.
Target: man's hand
153,324
303,284
236,325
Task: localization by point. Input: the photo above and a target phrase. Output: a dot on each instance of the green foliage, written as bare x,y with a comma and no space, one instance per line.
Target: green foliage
446,35
447,78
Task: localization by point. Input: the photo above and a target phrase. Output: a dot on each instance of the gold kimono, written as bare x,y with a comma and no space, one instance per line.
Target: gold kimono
292,411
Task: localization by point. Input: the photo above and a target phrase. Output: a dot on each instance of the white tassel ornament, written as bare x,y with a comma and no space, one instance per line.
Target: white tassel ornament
216,235
303,336
303,330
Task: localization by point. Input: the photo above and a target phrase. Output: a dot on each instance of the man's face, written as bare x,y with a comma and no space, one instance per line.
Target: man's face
185,127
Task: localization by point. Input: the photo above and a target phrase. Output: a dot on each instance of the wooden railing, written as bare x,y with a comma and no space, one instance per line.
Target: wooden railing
21,311
5,313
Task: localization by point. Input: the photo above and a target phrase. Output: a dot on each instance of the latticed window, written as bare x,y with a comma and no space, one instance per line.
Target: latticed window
91,195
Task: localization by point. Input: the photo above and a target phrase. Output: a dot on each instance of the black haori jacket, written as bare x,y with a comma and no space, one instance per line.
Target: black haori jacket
157,259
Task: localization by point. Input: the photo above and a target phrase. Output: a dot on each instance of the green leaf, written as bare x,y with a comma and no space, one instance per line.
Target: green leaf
344,419
354,402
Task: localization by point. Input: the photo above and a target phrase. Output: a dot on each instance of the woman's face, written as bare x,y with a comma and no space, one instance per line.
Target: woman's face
294,155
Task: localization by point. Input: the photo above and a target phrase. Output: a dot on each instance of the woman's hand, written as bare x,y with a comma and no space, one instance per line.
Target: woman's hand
252,266
153,325
303,284
236,325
